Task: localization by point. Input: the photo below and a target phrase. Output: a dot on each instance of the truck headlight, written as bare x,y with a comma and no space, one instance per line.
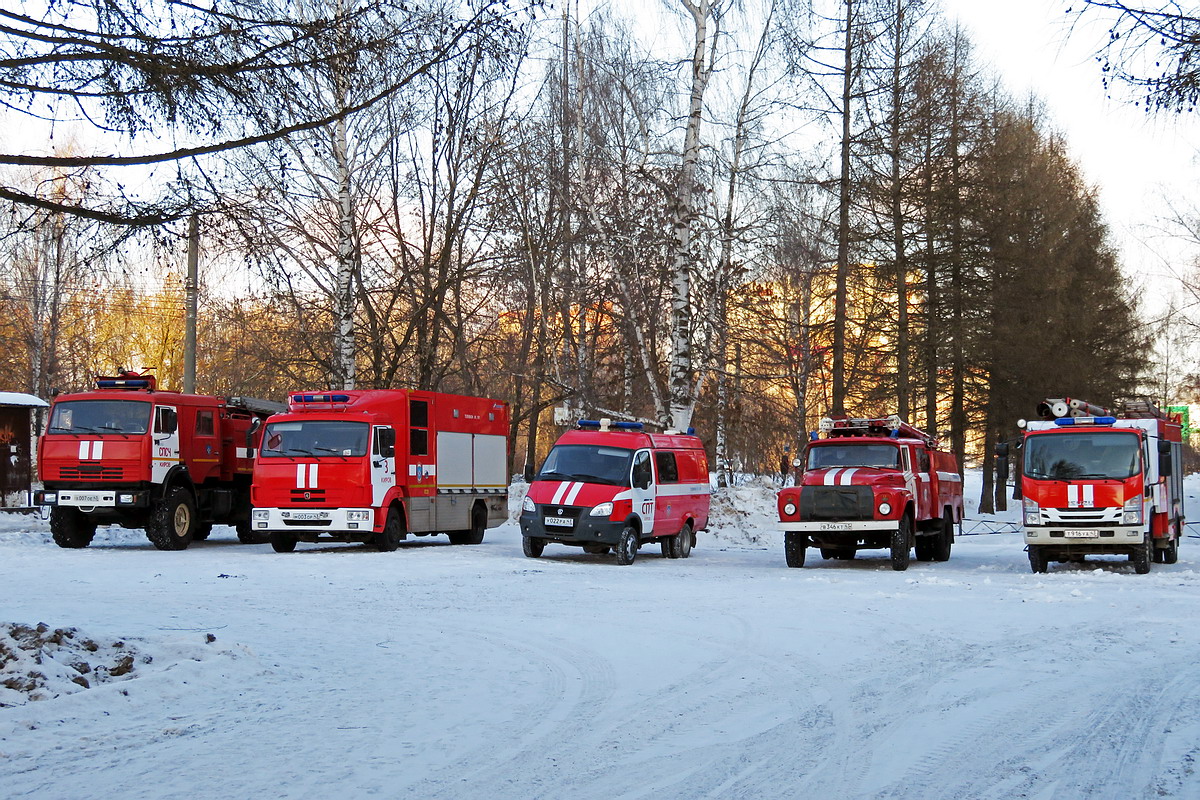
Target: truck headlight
1132,514
125,499
358,516
885,508
1033,512
527,505
260,515
602,510
49,498
789,509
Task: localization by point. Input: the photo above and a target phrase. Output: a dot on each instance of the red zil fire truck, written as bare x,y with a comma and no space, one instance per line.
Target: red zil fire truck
872,483
374,466
1093,482
609,485
173,464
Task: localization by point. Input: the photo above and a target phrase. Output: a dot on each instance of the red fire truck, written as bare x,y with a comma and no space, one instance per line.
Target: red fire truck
1094,482
329,468
872,483
173,464
609,485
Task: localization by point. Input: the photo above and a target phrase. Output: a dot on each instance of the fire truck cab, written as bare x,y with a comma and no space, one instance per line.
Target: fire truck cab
872,483
171,463
374,466
611,486
1093,482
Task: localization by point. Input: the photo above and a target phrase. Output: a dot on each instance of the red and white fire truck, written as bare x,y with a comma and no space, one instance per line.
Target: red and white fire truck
126,453
374,466
1094,482
609,485
872,483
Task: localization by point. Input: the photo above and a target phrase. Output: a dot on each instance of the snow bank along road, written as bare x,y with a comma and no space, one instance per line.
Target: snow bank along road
443,671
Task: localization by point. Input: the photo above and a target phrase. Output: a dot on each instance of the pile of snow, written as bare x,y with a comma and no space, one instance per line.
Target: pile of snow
746,513
41,663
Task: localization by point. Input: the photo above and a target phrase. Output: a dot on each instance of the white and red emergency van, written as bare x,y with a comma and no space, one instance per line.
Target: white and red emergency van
872,483
373,466
610,485
173,464
1095,482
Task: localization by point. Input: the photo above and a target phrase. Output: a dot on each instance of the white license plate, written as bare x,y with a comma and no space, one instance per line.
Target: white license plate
309,515
835,526
566,522
86,498
1083,533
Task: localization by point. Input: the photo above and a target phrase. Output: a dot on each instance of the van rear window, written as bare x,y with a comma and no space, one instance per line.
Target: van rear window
668,470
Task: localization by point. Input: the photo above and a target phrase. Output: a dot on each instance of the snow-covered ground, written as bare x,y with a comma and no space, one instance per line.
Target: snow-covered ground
472,672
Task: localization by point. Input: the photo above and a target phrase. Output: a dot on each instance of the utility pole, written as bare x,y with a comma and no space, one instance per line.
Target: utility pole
191,292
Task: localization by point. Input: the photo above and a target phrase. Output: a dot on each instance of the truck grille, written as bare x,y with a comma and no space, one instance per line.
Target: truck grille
836,502
91,472
1081,516
316,496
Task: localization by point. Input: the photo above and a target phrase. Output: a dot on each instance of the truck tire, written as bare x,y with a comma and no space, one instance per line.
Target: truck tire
533,546
686,536
794,545
1038,563
173,520
925,546
1142,556
283,542
1170,554
901,544
474,534
944,539
70,528
669,546
388,539
627,546
202,532
247,534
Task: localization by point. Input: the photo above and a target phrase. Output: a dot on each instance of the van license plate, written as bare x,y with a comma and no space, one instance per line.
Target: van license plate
835,526
1083,533
562,522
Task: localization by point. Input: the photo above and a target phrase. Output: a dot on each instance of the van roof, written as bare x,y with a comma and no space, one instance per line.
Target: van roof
633,439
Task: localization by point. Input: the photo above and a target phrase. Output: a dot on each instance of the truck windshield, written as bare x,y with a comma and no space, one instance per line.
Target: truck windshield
315,437
854,454
100,417
1083,455
587,462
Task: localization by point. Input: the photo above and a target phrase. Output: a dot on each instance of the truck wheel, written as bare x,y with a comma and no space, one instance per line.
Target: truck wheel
1141,556
1037,559
247,534
533,547
388,539
474,535
669,546
1170,554
202,532
283,542
71,528
173,521
794,545
685,540
901,544
944,539
627,546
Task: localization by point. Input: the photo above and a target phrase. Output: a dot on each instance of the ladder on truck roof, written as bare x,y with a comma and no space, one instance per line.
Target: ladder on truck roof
256,406
875,426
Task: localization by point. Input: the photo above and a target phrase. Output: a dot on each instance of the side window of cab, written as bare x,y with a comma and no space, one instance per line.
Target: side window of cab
641,475
923,460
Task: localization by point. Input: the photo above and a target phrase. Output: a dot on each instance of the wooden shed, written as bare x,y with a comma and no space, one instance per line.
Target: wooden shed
20,415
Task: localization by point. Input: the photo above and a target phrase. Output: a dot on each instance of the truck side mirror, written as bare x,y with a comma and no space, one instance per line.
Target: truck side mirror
1165,465
255,424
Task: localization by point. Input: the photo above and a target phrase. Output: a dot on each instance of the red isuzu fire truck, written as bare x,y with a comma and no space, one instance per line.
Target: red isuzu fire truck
173,464
374,466
1094,482
872,483
610,485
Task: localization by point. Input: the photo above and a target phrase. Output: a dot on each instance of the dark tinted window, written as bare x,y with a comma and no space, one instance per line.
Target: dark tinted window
204,423
668,470
418,414
418,442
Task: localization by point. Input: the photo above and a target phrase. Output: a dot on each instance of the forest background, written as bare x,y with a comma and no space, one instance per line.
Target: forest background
740,217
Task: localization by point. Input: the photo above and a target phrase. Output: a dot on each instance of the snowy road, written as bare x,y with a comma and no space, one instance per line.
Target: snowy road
471,672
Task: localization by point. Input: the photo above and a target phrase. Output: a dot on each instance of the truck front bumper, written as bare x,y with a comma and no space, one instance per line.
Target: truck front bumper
1101,537
824,527
88,499
586,530
313,520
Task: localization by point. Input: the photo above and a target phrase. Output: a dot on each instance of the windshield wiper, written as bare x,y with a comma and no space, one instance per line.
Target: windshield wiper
299,450
583,476
551,475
